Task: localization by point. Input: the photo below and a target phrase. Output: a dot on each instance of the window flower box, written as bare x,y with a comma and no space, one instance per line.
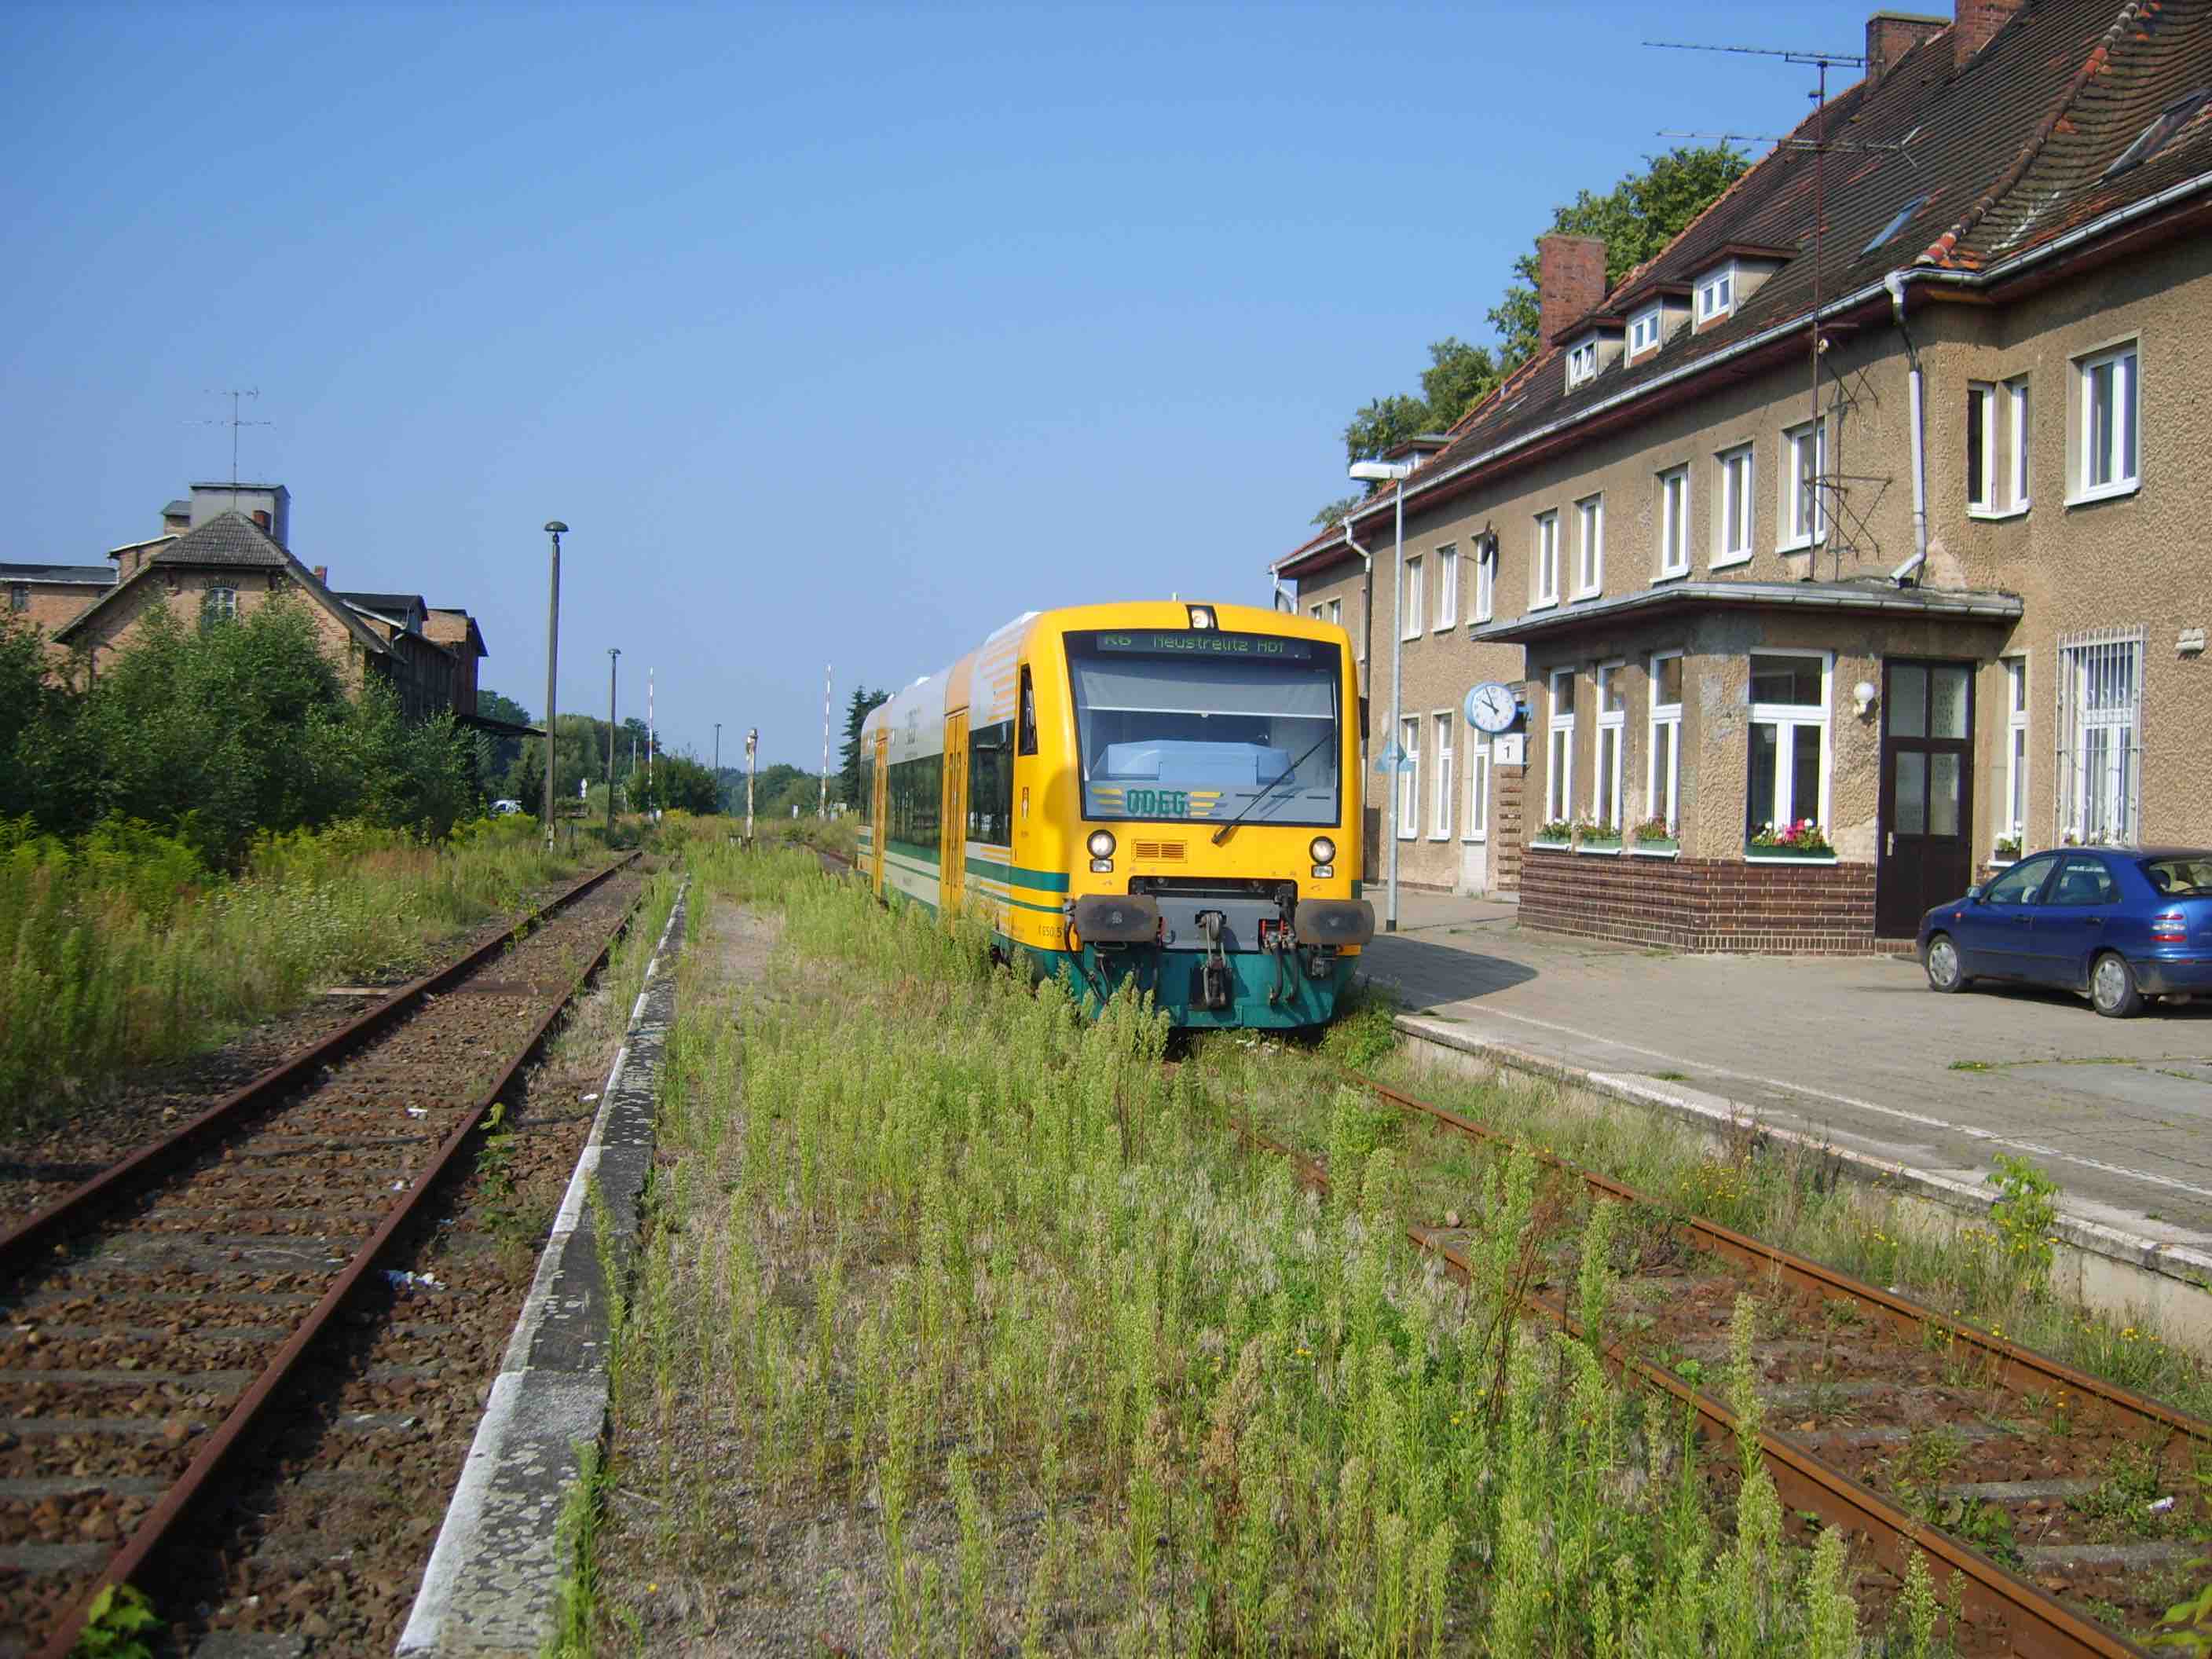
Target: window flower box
1656,839
1557,836
1599,845
1801,842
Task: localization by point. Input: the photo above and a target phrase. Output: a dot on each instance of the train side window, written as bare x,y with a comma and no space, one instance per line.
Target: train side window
991,782
1028,745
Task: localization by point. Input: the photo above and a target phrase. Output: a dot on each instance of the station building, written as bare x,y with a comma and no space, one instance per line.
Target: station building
1831,565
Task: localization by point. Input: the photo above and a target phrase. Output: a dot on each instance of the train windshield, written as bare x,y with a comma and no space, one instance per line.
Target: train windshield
1206,725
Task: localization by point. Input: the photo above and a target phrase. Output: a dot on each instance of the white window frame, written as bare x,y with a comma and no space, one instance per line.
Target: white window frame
2019,448
1446,587
1794,497
1673,522
1658,802
219,602
1440,789
1735,499
1544,562
1784,808
1476,824
1982,394
2092,668
2013,819
2125,361
1485,583
1409,780
1559,756
1315,611
1582,361
1606,805
1645,332
1711,307
1589,546
1414,589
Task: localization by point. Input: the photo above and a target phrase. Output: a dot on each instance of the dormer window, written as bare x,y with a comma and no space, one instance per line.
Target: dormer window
1644,331
1582,361
1717,294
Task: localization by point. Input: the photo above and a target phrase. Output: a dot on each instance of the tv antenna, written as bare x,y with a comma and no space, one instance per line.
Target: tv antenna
1819,147
234,423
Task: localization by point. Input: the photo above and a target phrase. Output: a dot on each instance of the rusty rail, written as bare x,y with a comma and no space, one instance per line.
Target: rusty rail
2037,1626
154,1531
2015,1366
74,1208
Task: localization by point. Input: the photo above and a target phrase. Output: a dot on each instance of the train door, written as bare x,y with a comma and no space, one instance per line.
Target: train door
878,809
952,824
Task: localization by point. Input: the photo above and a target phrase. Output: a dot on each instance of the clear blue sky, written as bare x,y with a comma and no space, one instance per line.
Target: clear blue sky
836,334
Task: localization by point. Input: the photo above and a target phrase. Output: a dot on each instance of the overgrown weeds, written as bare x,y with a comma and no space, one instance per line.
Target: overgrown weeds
124,947
983,1330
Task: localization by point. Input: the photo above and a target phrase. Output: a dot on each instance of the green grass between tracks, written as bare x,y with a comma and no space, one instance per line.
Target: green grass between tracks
962,1326
123,949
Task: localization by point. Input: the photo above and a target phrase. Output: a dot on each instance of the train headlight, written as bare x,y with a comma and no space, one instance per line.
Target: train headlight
1323,850
1100,843
1202,616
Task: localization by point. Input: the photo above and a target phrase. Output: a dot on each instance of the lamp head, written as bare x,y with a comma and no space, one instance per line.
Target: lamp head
1862,695
1377,471
554,527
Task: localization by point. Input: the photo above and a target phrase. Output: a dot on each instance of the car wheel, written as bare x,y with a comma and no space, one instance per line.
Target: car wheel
1943,966
2112,988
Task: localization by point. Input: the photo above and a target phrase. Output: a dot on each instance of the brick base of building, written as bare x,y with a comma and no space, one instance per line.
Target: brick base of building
1701,904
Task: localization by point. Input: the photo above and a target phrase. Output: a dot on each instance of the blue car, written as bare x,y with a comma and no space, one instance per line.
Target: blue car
2121,924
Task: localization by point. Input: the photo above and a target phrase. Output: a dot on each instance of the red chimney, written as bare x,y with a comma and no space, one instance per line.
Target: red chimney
1979,20
1570,281
1891,34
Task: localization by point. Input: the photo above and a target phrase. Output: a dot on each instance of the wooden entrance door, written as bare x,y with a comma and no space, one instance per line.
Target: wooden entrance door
952,824
1926,853
880,810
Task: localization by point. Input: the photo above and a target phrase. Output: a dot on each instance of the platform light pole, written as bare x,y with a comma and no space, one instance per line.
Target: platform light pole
718,766
822,810
556,529
1392,472
752,763
613,652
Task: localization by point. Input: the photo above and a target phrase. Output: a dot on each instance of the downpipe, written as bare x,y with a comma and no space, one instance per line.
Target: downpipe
1894,282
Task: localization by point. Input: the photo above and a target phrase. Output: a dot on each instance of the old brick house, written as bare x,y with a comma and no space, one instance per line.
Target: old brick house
224,552
1890,525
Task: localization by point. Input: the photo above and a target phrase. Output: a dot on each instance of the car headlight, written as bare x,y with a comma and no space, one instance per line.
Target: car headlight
1323,850
1100,843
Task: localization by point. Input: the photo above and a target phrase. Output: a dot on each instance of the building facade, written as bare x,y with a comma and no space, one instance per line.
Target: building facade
224,552
1832,570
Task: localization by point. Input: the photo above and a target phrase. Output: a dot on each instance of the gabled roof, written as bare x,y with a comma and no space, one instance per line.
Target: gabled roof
405,611
2002,156
230,540
95,575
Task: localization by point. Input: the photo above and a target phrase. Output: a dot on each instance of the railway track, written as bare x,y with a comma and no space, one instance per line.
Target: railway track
2028,1483
166,1321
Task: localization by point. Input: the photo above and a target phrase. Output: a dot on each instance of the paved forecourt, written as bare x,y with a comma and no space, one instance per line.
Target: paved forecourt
1856,1051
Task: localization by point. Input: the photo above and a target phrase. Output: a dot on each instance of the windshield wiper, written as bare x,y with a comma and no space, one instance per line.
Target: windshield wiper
1222,833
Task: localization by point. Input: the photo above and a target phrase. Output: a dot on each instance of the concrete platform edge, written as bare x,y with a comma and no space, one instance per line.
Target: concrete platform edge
493,1575
2105,1268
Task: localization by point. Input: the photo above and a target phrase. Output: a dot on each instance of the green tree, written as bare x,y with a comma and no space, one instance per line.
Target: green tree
1637,218
863,704
1458,373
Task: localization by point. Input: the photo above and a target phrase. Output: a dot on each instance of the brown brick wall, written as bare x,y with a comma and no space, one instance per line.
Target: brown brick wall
1701,904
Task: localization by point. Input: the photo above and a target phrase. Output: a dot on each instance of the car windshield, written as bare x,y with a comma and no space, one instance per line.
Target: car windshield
2181,875
1205,724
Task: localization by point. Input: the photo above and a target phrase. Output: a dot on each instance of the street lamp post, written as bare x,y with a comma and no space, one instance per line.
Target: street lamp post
556,529
613,652
1382,472
752,753
718,766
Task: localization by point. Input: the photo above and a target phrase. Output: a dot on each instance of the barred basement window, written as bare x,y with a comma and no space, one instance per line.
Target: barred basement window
2101,736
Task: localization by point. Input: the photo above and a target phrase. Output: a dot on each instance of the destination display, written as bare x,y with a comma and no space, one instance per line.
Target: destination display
1205,642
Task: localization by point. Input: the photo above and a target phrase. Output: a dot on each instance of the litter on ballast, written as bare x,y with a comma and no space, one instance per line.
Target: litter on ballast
418,1111
402,1280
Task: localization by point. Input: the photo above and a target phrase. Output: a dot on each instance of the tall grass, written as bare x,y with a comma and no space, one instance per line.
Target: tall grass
124,947
978,1279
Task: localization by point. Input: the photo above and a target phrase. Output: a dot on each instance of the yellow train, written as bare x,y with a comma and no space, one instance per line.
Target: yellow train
1156,790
